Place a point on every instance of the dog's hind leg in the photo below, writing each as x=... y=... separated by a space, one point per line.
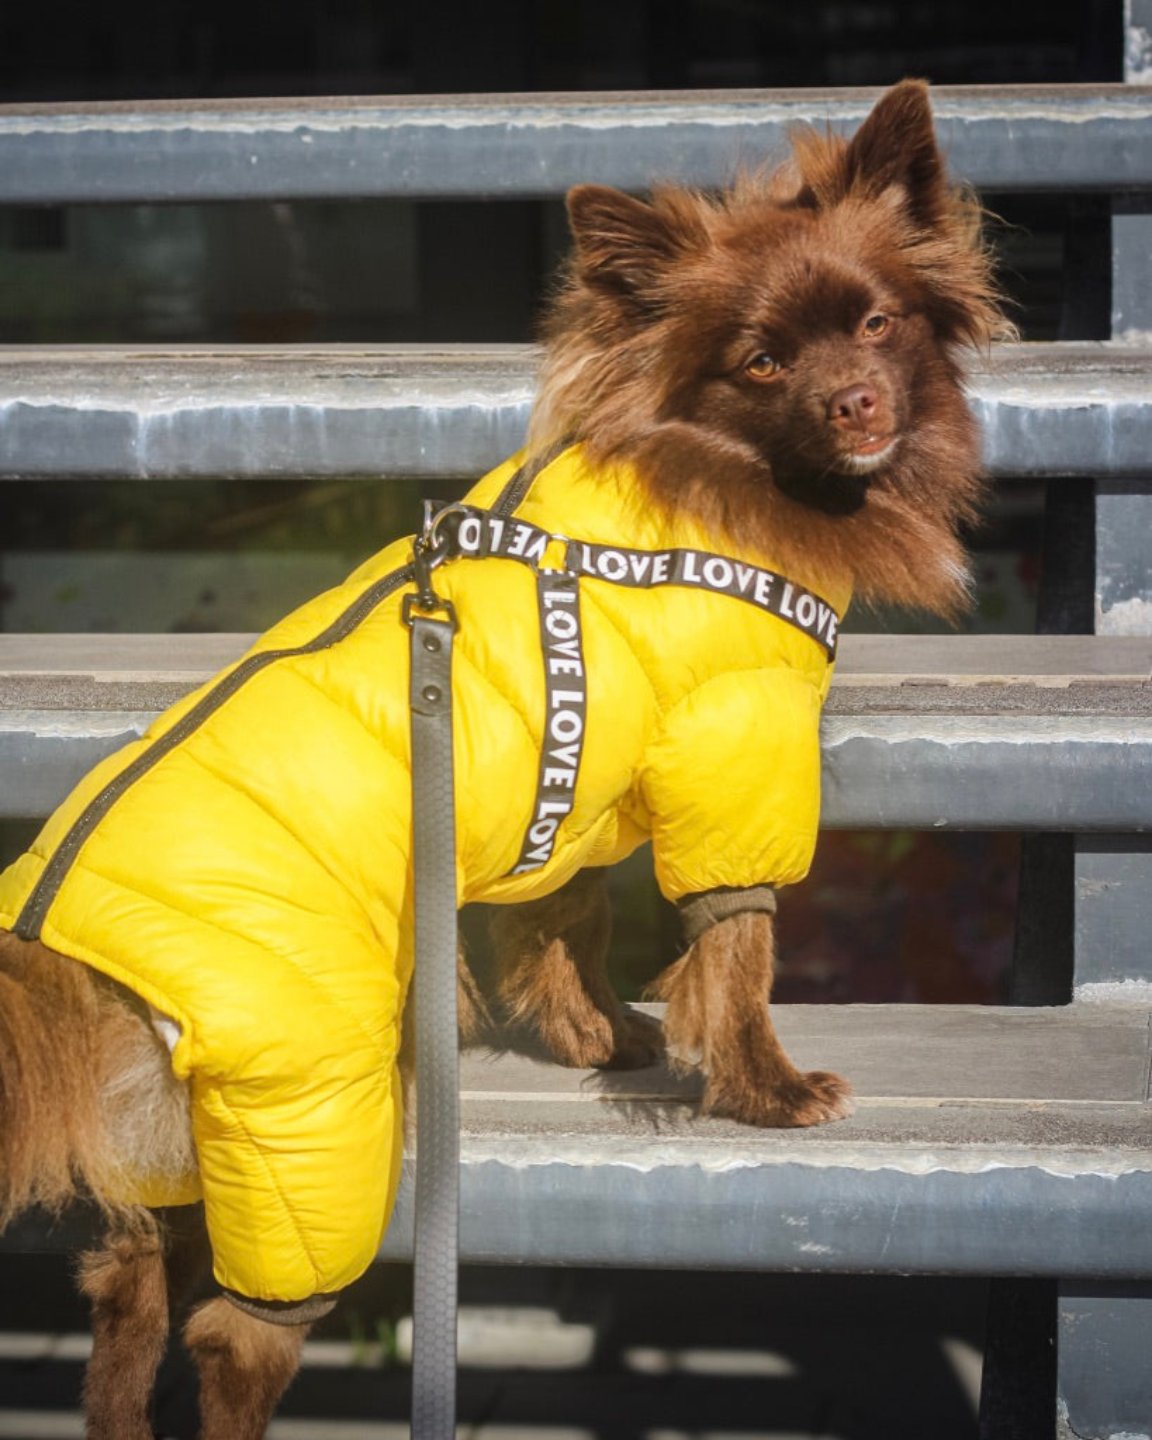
x=552 y=955
x=245 y=1365
x=718 y=1019
x=187 y=1258
x=126 y=1285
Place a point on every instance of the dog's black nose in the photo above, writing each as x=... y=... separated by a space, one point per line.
x=853 y=407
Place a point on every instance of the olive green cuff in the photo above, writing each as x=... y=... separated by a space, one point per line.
x=701 y=911
x=285 y=1312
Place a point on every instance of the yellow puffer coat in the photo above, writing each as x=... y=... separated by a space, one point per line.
x=245 y=866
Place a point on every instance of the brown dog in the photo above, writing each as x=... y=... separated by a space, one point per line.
x=780 y=363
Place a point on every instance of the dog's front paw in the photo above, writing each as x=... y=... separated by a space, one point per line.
x=814 y=1098
x=638 y=1040
x=800 y=1099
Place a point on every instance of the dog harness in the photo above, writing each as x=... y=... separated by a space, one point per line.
x=463 y=531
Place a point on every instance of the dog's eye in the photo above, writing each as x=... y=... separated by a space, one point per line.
x=875 y=326
x=763 y=367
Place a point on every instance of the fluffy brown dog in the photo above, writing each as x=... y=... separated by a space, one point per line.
x=780 y=360
x=779 y=363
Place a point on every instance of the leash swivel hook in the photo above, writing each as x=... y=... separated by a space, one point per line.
x=430 y=548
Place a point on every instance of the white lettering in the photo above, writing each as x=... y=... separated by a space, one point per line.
x=558 y=666
x=691 y=574
x=763 y=592
x=554 y=776
x=566 y=754
x=745 y=574
x=612 y=565
x=520 y=538
x=786 y=601
x=536 y=858
x=660 y=565
x=542 y=831
x=561 y=624
x=565 y=725
x=640 y=564
x=805 y=611
x=468 y=536
x=717 y=572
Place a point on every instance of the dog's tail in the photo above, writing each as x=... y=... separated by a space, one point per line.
x=54 y=1042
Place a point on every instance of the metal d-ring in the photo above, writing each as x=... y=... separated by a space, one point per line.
x=566 y=569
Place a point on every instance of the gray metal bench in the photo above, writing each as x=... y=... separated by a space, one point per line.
x=988 y=1141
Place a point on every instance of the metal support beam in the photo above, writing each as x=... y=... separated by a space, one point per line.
x=1124 y=507
x=979 y=732
x=1104 y=1344
x=1043 y=137
x=442 y=410
x=1113 y=883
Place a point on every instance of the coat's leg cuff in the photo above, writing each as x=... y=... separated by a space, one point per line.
x=285 y=1312
x=701 y=911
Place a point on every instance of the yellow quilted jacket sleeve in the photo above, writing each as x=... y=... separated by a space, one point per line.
x=733 y=783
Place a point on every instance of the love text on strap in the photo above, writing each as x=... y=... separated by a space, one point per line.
x=478 y=533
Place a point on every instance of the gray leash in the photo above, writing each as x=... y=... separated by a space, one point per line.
x=433 y=623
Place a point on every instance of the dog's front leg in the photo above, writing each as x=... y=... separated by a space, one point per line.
x=125 y=1283
x=717 y=1018
x=553 y=977
x=244 y=1364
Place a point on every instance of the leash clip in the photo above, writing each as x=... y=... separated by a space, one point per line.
x=429 y=549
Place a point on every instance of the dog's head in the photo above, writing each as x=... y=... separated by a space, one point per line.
x=782 y=358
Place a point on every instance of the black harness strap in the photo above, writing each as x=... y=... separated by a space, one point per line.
x=566 y=709
x=464 y=531
x=469 y=531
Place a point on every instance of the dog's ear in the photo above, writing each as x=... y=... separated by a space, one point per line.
x=624 y=245
x=893 y=154
x=895 y=149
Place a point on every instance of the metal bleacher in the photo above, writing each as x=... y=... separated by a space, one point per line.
x=994 y=1141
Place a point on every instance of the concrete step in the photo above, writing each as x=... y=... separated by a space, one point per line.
x=443 y=410
x=985 y=1141
x=972 y=732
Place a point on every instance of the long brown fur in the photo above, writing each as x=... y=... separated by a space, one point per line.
x=245 y=1365
x=553 y=956
x=780 y=362
x=665 y=299
x=126 y=1286
x=86 y=1095
x=86 y=1090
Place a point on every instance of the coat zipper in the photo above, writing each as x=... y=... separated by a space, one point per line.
x=32 y=915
